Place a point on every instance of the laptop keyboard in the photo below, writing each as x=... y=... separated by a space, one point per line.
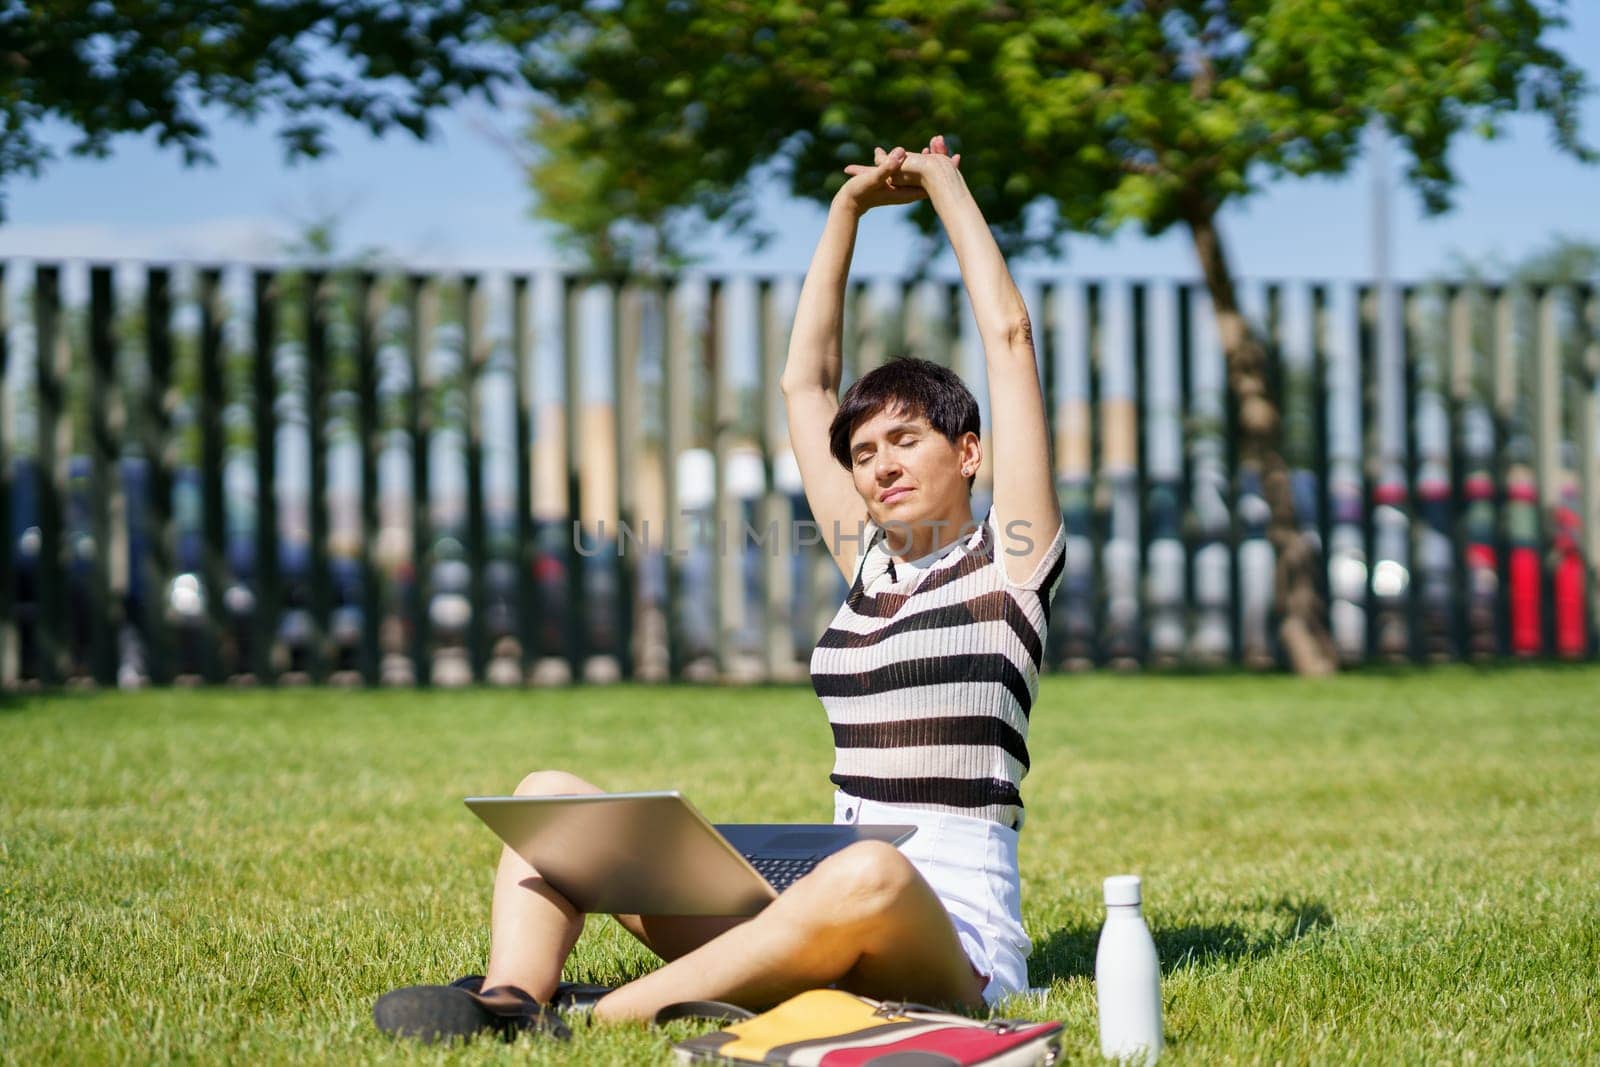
x=782 y=871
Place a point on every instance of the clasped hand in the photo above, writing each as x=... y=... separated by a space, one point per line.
x=896 y=176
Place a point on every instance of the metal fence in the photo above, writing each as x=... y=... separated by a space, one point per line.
x=375 y=476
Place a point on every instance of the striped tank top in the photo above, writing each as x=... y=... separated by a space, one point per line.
x=929 y=672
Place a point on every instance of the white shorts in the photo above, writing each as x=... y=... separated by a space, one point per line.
x=972 y=866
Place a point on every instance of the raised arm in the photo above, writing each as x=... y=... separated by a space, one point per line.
x=1025 y=503
x=811 y=376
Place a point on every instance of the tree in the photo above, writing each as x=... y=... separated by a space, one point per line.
x=1559 y=261
x=139 y=66
x=1072 y=116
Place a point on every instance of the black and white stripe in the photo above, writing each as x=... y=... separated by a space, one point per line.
x=929 y=680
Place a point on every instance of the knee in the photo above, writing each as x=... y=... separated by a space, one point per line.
x=553 y=783
x=866 y=879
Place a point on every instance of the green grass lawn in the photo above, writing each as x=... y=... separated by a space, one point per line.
x=1379 y=868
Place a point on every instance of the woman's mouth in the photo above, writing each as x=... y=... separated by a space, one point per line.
x=891 y=495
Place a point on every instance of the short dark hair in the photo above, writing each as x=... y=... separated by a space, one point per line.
x=917 y=386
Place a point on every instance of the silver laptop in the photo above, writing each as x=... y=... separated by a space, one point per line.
x=654 y=854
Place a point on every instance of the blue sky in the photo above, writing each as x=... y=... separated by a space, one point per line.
x=460 y=200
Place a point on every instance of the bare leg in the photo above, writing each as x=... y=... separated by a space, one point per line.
x=672 y=936
x=864 y=919
x=533 y=927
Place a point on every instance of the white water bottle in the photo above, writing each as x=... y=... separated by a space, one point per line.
x=1127 y=977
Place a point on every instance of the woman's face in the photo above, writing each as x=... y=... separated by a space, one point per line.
x=908 y=472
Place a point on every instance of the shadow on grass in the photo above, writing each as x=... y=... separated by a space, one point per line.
x=1069 y=951
x=11 y=700
x=31 y=696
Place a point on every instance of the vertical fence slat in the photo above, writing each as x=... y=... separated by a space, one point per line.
x=1549 y=470
x=1187 y=494
x=1317 y=477
x=1519 y=526
x=1368 y=450
x=1390 y=520
x=113 y=416
x=626 y=338
x=727 y=569
x=1434 y=549
x=1237 y=487
x=1569 y=624
x=8 y=622
x=1347 y=552
x=1253 y=555
x=777 y=585
x=577 y=627
x=1139 y=345
x=1074 y=472
x=422 y=308
x=51 y=359
x=369 y=304
x=926 y=334
x=1482 y=489
x=105 y=479
x=474 y=356
x=871 y=324
x=1229 y=483
x=269 y=594
x=851 y=329
x=1279 y=390
x=1163 y=447
x=157 y=432
x=1578 y=385
x=1214 y=639
x=1415 y=573
x=529 y=605
x=1500 y=395
x=1119 y=463
x=213 y=553
x=1586 y=401
x=677 y=396
x=1099 y=499
x=318 y=578
x=1474 y=435
x=1299 y=354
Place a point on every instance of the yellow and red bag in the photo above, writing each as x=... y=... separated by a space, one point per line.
x=828 y=1028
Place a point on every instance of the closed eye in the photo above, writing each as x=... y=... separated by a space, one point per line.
x=905 y=440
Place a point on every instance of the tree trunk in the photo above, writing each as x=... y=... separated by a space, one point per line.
x=1297 y=601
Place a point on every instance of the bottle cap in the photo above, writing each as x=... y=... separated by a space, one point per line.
x=1122 y=890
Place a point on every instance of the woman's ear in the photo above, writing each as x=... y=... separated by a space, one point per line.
x=971 y=450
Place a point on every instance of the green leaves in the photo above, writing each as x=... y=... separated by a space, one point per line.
x=1112 y=113
x=651 y=111
x=154 y=65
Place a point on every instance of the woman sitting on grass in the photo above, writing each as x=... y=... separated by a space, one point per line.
x=927 y=673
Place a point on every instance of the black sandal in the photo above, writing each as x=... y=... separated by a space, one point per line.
x=568 y=998
x=577 y=997
x=444 y=1012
